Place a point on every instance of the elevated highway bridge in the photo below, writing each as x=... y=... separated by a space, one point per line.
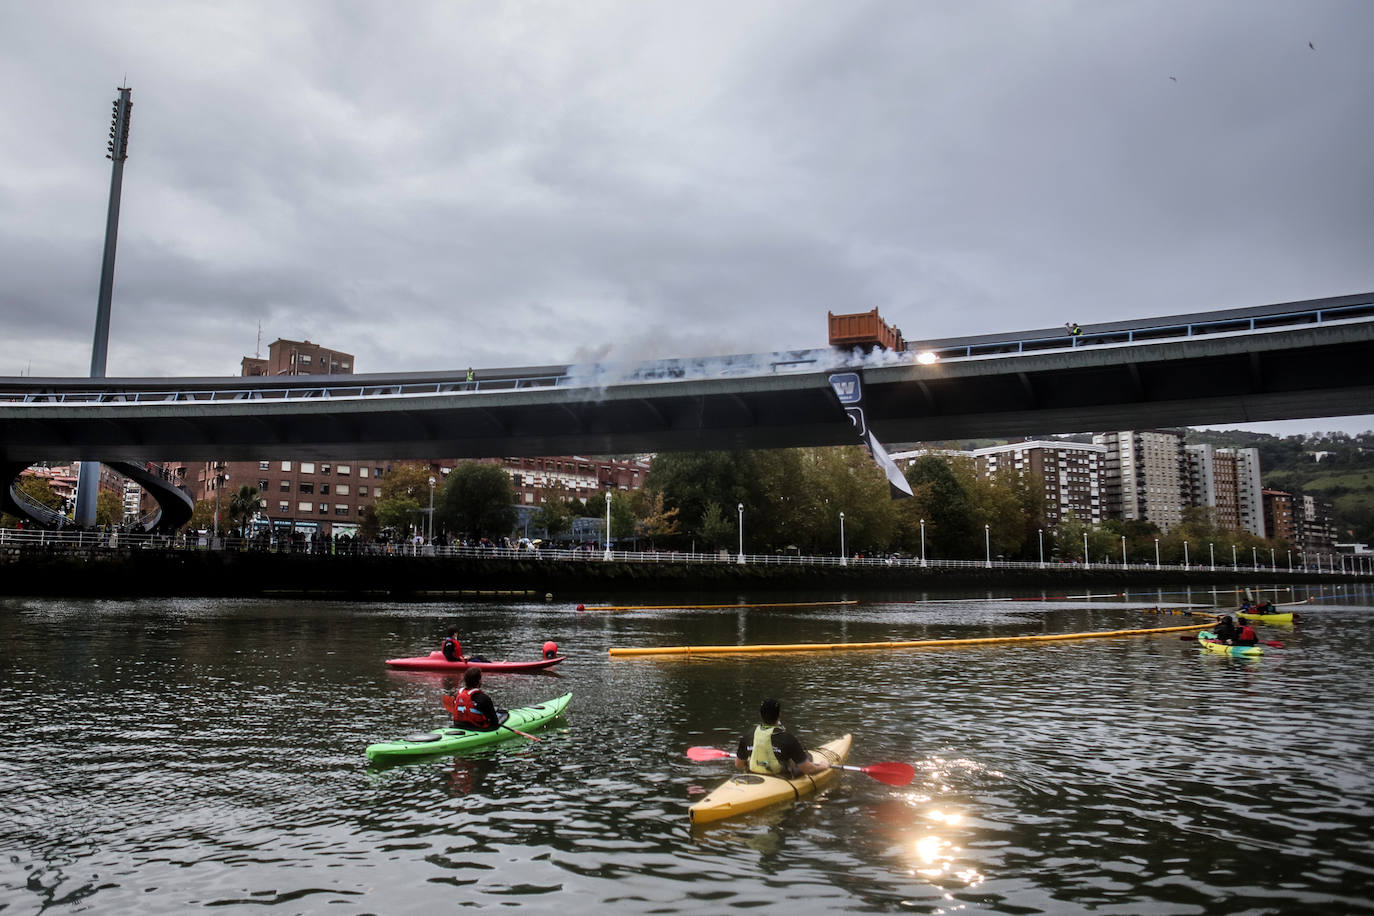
x=1276 y=362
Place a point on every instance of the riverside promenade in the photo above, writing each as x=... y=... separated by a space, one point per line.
x=127 y=566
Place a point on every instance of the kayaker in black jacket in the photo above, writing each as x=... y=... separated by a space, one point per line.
x=1226 y=630
x=453 y=649
x=772 y=751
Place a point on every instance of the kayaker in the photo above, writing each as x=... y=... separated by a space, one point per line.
x=771 y=750
x=1226 y=630
x=1245 y=635
x=472 y=708
x=453 y=649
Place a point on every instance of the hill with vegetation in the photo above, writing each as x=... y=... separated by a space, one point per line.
x=1332 y=467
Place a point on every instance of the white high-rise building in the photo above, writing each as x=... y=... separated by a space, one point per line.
x=1069 y=471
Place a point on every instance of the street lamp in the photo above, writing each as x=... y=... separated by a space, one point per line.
x=741 y=533
x=608 y=525
x=431 y=510
x=923 y=542
x=1185 y=555
x=220 y=478
x=1290 y=559
x=1212 y=551
x=844 y=560
x=1271 y=559
x=1156 y=554
x=1254 y=558
x=1123 y=551
x=1234 y=565
x=1086 y=563
x=1040 y=535
x=987 y=544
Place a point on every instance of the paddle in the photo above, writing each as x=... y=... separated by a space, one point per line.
x=894 y=774
x=452 y=706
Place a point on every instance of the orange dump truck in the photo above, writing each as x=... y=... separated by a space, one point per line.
x=865 y=330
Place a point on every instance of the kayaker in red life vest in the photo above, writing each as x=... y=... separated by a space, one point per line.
x=472 y=708
x=453 y=649
x=1226 y=630
x=1245 y=635
x=772 y=751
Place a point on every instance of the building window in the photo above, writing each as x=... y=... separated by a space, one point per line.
x=264 y=465
x=362 y=472
x=283 y=507
x=362 y=491
x=286 y=486
x=305 y=507
x=343 y=470
x=324 y=469
x=340 y=510
x=262 y=486
x=305 y=359
x=324 y=508
x=307 y=487
x=339 y=489
x=324 y=489
x=286 y=465
x=307 y=467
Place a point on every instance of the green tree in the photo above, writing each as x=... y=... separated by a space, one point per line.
x=950 y=525
x=109 y=509
x=555 y=513
x=401 y=492
x=477 y=501
x=658 y=522
x=202 y=515
x=623 y=518
x=243 y=505
x=715 y=529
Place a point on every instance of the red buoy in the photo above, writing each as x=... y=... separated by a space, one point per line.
x=550 y=649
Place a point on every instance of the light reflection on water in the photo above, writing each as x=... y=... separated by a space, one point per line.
x=172 y=755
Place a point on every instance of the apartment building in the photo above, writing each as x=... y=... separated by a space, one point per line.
x=1144 y=476
x=1070 y=471
x=1278 y=516
x=1227 y=483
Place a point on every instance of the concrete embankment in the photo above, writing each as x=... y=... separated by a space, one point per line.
x=152 y=573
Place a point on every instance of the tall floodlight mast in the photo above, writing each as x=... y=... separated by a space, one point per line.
x=88 y=481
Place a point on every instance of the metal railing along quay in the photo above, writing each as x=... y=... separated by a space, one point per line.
x=18 y=540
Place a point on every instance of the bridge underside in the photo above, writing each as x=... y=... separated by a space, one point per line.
x=1319 y=371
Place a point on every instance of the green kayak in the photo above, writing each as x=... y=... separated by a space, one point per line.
x=449 y=740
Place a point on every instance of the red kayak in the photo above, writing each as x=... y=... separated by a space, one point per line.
x=435 y=661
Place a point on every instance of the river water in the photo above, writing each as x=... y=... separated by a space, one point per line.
x=176 y=755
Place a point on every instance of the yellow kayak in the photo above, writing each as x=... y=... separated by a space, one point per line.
x=1267 y=618
x=751 y=791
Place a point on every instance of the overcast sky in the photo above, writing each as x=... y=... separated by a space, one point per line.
x=437 y=185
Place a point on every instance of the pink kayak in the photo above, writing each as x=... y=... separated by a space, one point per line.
x=435 y=661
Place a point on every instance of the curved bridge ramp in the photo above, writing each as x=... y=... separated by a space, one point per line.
x=18 y=503
x=174 y=503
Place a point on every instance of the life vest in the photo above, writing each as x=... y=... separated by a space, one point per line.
x=453 y=649
x=465 y=712
x=1247 y=636
x=763 y=760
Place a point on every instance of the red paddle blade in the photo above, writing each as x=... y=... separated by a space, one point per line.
x=1274 y=644
x=894 y=774
x=451 y=705
x=707 y=753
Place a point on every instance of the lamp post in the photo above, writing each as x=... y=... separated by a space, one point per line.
x=1271 y=559
x=608 y=525
x=1040 y=535
x=1234 y=565
x=1212 y=551
x=1123 y=551
x=1156 y=554
x=923 y=542
x=987 y=544
x=1254 y=559
x=1290 y=559
x=741 y=533
x=431 y=509
x=1185 y=555
x=1086 y=563
x=844 y=560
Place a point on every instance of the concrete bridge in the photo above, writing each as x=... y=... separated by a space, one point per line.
x=1283 y=361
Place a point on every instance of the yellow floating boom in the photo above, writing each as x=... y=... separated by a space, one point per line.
x=709 y=607
x=910 y=644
